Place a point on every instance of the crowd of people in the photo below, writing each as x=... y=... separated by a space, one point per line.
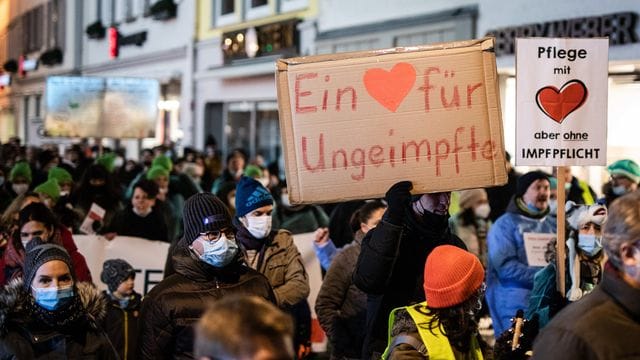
x=405 y=276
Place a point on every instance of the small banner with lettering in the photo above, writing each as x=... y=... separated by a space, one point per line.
x=561 y=101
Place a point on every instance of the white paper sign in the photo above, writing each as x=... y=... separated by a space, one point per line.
x=304 y=242
x=535 y=245
x=561 y=101
x=96 y=213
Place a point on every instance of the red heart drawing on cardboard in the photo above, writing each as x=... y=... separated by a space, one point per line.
x=558 y=104
x=389 y=88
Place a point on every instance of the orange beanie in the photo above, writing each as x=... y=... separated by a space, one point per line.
x=451 y=276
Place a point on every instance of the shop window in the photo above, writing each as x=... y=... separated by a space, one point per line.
x=238 y=127
x=293 y=5
x=254 y=127
x=33 y=23
x=224 y=13
x=257 y=8
x=426 y=37
x=129 y=10
x=55 y=21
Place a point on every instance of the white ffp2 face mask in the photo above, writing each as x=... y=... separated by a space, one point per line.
x=482 y=211
x=258 y=226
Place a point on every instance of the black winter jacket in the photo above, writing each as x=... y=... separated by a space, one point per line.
x=605 y=324
x=24 y=336
x=121 y=325
x=390 y=270
x=172 y=307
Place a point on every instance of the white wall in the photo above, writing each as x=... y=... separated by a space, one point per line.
x=162 y=35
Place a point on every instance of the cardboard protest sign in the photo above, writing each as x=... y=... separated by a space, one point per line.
x=561 y=101
x=353 y=124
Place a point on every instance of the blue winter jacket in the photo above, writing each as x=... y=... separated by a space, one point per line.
x=509 y=277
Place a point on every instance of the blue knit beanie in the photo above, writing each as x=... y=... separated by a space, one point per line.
x=250 y=195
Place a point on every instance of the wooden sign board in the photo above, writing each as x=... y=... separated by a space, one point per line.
x=353 y=124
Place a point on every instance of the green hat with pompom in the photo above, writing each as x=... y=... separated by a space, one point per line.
x=60 y=174
x=20 y=169
x=163 y=161
x=156 y=172
x=107 y=160
x=50 y=188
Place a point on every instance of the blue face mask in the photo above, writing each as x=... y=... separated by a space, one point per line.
x=51 y=298
x=124 y=302
x=218 y=253
x=533 y=208
x=619 y=190
x=590 y=244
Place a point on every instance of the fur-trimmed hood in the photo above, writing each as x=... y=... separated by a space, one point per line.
x=13 y=303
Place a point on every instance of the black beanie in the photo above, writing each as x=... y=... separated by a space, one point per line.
x=251 y=195
x=204 y=212
x=39 y=253
x=527 y=179
x=115 y=272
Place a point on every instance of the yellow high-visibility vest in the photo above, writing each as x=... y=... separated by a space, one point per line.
x=435 y=341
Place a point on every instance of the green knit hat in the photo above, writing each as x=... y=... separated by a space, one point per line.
x=253 y=171
x=60 y=174
x=626 y=168
x=164 y=161
x=107 y=160
x=157 y=171
x=20 y=169
x=49 y=187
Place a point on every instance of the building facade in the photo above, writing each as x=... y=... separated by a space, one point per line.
x=39 y=39
x=235 y=91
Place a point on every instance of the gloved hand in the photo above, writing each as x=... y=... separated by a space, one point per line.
x=398 y=199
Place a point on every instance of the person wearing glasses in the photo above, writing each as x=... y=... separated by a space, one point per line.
x=208 y=266
x=604 y=323
x=37 y=221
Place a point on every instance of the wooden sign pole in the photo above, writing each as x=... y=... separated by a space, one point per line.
x=560 y=249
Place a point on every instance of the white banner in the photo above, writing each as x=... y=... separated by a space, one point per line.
x=147 y=257
x=561 y=104
x=304 y=242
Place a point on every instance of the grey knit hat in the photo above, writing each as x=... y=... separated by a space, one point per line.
x=204 y=212
x=39 y=253
x=115 y=272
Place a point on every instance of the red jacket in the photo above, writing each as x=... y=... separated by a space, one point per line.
x=13 y=260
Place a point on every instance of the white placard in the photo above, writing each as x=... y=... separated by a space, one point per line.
x=147 y=257
x=304 y=242
x=96 y=213
x=561 y=101
x=535 y=245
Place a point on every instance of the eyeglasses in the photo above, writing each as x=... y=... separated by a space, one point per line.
x=214 y=235
x=35 y=233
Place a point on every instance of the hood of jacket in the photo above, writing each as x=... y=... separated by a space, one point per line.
x=14 y=299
